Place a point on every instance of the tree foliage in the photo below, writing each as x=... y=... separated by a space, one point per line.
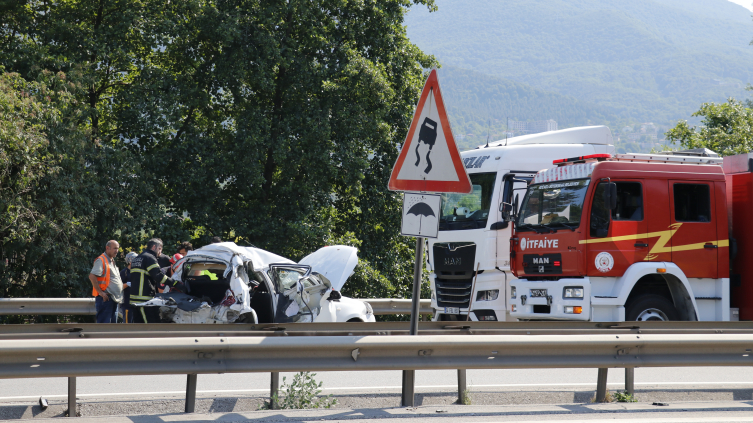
x=268 y=123
x=727 y=128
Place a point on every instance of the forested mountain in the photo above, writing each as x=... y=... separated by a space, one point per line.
x=640 y=60
x=479 y=105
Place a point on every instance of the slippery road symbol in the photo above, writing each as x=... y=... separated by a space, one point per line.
x=428 y=135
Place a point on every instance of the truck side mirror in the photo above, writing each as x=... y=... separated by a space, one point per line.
x=610 y=196
x=509 y=210
x=506 y=208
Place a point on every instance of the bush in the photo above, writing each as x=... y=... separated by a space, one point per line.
x=302 y=392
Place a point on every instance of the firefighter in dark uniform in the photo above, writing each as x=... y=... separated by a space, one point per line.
x=145 y=277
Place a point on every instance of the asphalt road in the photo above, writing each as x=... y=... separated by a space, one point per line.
x=143 y=387
x=595 y=413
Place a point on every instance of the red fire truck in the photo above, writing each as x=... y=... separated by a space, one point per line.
x=635 y=237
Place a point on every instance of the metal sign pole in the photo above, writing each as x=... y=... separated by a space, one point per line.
x=409 y=376
x=417 y=270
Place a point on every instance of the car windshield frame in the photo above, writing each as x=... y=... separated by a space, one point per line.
x=557 y=204
x=472 y=210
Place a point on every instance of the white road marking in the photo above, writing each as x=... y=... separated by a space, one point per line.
x=372 y=388
x=647 y=418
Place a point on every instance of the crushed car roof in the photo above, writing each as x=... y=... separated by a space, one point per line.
x=335 y=262
x=225 y=251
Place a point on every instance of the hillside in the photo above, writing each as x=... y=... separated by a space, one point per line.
x=479 y=104
x=642 y=60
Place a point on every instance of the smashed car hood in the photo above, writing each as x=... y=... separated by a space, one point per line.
x=335 y=262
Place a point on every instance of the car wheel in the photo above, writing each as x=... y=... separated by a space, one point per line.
x=355 y=319
x=650 y=307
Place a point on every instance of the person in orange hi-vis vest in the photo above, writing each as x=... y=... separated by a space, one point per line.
x=107 y=288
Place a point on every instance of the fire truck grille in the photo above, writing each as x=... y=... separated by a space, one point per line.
x=454 y=290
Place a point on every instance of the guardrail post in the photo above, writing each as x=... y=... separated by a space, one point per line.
x=462 y=386
x=409 y=385
x=274 y=386
x=191 y=393
x=630 y=380
x=601 y=385
x=72 y=409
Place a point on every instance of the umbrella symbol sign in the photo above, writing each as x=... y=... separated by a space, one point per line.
x=421 y=209
x=421 y=215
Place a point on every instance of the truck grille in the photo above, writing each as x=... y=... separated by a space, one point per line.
x=453 y=265
x=454 y=288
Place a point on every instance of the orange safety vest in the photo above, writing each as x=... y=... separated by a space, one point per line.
x=104 y=279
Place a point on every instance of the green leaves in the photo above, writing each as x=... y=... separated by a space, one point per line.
x=302 y=392
x=271 y=123
x=727 y=129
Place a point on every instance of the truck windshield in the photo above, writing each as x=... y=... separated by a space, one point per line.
x=552 y=205
x=468 y=211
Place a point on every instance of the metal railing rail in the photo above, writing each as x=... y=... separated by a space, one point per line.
x=93 y=330
x=33 y=358
x=85 y=306
x=47 y=306
x=194 y=355
x=385 y=306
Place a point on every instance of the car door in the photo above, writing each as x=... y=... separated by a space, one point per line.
x=294 y=287
x=311 y=296
x=511 y=184
x=693 y=228
x=612 y=249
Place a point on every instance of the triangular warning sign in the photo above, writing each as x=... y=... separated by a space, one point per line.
x=429 y=160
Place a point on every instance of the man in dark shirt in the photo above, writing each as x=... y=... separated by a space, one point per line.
x=145 y=277
x=126 y=309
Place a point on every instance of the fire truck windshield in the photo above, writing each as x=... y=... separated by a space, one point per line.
x=552 y=204
x=468 y=211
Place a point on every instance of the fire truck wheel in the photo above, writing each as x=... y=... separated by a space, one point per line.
x=650 y=307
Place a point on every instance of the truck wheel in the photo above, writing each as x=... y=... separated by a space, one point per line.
x=649 y=307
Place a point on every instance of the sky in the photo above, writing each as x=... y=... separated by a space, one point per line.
x=744 y=3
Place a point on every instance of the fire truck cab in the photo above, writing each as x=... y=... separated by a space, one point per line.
x=630 y=237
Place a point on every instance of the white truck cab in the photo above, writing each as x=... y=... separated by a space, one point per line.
x=470 y=259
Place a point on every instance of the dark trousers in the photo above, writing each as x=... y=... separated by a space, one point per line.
x=105 y=310
x=127 y=312
x=146 y=315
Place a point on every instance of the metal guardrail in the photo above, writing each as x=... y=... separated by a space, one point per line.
x=60 y=306
x=384 y=306
x=196 y=355
x=85 y=306
x=62 y=350
x=76 y=330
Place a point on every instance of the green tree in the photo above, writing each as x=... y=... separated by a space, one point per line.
x=44 y=239
x=98 y=50
x=727 y=129
x=272 y=123
x=289 y=144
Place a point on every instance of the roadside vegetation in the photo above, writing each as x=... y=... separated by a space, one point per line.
x=726 y=128
x=302 y=392
x=268 y=124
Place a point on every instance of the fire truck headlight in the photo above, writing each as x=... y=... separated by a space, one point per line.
x=573 y=292
x=487 y=295
x=513 y=293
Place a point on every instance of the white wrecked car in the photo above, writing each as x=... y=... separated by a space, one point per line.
x=227 y=283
